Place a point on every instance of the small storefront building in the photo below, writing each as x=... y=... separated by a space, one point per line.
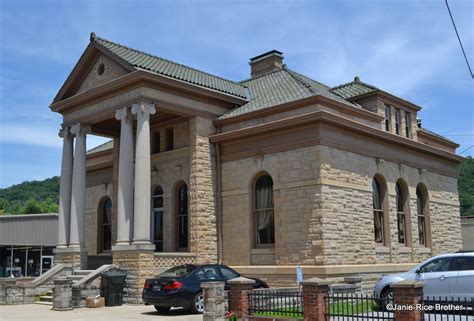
x=27 y=243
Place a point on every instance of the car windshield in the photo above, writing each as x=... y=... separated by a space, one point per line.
x=178 y=271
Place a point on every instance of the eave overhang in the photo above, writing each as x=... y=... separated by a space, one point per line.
x=387 y=97
x=316 y=99
x=325 y=117
x=136 y=77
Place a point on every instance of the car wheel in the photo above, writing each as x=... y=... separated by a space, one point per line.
x=197 y=305
x=162 y=309
x=387 y=298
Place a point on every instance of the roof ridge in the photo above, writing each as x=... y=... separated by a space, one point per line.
x=355 y=81
x=297 y=77
x=301 y=75
x=95 y=38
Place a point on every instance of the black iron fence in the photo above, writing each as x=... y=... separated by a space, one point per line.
x=447 y=309
x=348 y=307
x=285 y=302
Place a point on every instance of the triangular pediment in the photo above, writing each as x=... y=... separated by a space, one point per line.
x=103 y=70
x=95 y=68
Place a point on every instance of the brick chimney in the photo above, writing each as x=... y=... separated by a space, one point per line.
x=265 y=63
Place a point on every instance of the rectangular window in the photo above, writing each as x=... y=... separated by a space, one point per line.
x=397 y=121
x=156 y=142
x=407 y=125
x=169 y=138
x=387 y=118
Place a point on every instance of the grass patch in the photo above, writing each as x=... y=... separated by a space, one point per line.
x=293 y=312
x=344 y=308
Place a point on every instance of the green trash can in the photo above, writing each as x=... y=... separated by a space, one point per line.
x=111 y=287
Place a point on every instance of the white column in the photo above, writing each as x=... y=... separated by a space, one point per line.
x=142 y=195
x=125 y=178
x=64 y=217
x=78 y=198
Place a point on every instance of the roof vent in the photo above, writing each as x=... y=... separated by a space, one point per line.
x=265 y=63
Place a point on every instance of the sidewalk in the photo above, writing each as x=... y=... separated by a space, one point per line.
x=39 y=312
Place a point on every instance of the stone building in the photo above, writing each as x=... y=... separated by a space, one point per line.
x=264 y=174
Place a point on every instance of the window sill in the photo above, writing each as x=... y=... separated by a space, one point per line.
x=263 y=250
x=424 y=250
x=382 y=249
x=404 y=249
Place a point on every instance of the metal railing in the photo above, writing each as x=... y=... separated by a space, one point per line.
x=447 y=309
x=285 y=302
x=348 y=307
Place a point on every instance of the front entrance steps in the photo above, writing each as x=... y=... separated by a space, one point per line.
x=84 y=280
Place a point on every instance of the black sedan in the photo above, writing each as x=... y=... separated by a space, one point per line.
x=180 y=286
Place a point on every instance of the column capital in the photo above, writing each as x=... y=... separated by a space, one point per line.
x=124 y=114
x=143 y=108
x=65 y=132
x=80 y=129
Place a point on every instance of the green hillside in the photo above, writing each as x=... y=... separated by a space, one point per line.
x=466 y=186
x=42 y=196
x=31 y=197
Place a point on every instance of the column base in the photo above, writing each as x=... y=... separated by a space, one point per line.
x=71 y=255
x=138 y=261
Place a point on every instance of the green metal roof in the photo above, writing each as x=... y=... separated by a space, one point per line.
x=353 y=89
x=279 y=87
x=142 y=60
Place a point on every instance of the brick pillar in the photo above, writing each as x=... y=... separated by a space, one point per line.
x=315 y=293
x=238 y=296
x=408 y=293
x=214 y=301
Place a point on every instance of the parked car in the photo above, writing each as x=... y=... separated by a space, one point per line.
x=447 y=275
x=180 y=286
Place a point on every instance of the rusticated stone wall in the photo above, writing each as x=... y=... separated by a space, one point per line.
x=167 y=260
x=139 y=265
x=348 y=218
x=297 y=208
x=202 y=191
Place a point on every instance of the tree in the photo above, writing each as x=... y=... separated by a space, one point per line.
x=466 y=186
x=31 y=207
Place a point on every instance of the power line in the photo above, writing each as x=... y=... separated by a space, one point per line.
x=466 y=149
x=460 y=43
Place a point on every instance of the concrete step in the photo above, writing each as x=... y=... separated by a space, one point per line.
x=82 y=272
x=75 y=277
x=46 y=298
x=44 y=302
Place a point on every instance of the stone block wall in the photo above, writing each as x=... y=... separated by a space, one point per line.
x=139 y=266
x=297 y=208
x=348 y=224
x=323 y=209
x=202 y=191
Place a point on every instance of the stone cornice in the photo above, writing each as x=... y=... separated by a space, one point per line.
x=317 y=99
x=137 y=78
x=388 y=98
x=437 y=138
x=321 y=117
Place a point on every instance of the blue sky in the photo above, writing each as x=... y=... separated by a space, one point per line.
x=408 y=48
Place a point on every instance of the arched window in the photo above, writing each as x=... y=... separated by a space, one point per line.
x=401 y=214
x=182 y=219
x=157 y=219
x=378 y=210
x=105 y=223
x=422 y=214
x=263 y=211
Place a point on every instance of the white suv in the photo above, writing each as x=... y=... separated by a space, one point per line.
x=447 y=275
